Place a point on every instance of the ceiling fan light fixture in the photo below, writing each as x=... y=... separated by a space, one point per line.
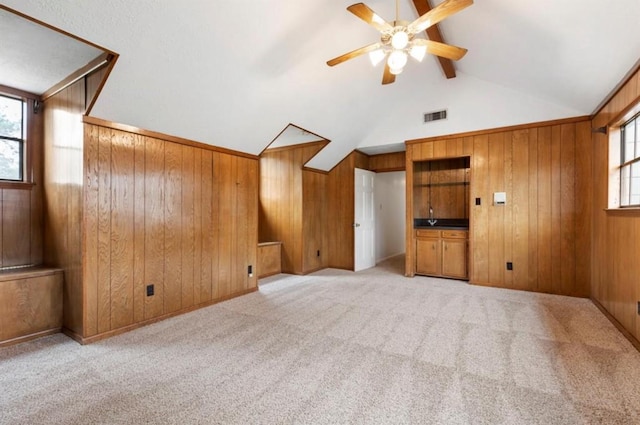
x=397 y=59
x=418 y=52
x=395 y=71
x=400 y=39
x=377 y=56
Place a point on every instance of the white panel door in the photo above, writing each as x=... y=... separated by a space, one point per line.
x=364 y=221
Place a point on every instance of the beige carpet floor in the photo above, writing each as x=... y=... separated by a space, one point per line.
x=339 y=347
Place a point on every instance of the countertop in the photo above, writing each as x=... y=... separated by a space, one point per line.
x=442 y=223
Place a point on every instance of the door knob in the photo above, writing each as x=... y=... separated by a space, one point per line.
x=356 y=224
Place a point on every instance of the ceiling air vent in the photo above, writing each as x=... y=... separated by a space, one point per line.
x=435 y=116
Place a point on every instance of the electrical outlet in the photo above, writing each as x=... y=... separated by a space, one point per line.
x=318 y=254
x=478 y=201
x=509 y=265
x=149 y=290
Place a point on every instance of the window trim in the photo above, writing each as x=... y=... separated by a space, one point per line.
x=30 y=138
x=623 y=164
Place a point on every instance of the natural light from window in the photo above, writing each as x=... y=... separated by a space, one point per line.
x=12 y=125
x=630 y=163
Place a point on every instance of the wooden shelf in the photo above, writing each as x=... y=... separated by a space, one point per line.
x=441 y=184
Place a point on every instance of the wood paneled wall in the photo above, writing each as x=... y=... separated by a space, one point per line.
x=21 y=204
x=386 y=162
x=291 y=206
x=181 y=218
x=544 y=229
x=126 y=209
x=340 y=210
x=616 y=233
x=315 y=255
x=63 y=182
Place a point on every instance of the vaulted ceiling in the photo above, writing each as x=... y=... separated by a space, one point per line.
x=235 y=73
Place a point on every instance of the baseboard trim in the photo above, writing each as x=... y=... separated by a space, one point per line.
x=389 y=257
x=84 y=340
x=617 y=324
x=29 y=337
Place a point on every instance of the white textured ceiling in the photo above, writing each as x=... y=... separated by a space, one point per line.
x=235 y=73
x=34 y=58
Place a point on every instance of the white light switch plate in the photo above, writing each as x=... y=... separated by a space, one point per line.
x=499 y=198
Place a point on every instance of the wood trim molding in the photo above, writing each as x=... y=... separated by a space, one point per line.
x=285 y=128
x=111 y=63
x=623 y=212
x=434 y=34
x=156 y=135
x=29 y=337
x=617 y=324
x=323 y=142
x=315 y=170
x=501 y=129
x=628 y=76
x=17 y=92
x=77 y=75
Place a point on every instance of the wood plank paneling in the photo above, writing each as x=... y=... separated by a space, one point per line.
x=520 y=209
x=122 y=230
x=104 y=230
x=188 y=235
x=139 y=229
x=90 y=234
x=479 y=220
x=340 y=214
x=225 y=179
x=154 y=246
x=172 y=228
x=29 y=305
x=63 y=197
x=16 y=219
x=167 y=226
x=537 y=230
x=209 y=263
x=616 y=234
x=386 y=162
x=544 y=210
x=127 y=210
x=289 y=208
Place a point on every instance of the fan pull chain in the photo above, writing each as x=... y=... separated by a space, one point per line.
x=397 y=12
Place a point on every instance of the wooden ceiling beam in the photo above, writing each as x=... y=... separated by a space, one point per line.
x=433 y=32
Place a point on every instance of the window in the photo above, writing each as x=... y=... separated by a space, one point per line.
x=630 y=163
x=12 y=138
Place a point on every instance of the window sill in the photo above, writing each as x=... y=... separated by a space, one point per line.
x=16 y=185
x=628 y=212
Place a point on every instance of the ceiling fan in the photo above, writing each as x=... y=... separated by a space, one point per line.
x=398 y=41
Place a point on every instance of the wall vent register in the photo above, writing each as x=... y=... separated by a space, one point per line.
x=435 y=116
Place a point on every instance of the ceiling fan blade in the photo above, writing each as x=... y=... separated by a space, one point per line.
x=354 y=54
x=437 y=14
x=388 y=77
x=363 y=12
x=441 y=49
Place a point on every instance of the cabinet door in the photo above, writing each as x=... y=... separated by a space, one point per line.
x=454 y=258
x=428 y=258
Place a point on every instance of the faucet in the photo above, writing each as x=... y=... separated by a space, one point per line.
x=431 y=221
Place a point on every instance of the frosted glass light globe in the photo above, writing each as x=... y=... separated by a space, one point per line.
x=397 y=59
x=399 y=40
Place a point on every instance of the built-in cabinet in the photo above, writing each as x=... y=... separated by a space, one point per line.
x=543 y=229
x=442 y=253
x=439 y=215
